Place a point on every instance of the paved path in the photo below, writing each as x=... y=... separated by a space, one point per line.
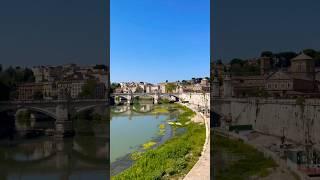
x=262 y=143
x=201 y=170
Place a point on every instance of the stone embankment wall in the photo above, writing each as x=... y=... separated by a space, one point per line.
x=272 y=116
x=201 y=99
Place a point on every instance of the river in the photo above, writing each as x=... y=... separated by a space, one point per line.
x=28 y=153
x=133 y=126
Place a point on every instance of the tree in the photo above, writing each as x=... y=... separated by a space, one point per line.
x=266 y=54
x=310 y=52
x=10 y=71
x=5 y=92
x=114 y=86
x=170 y=87
x=286 y=55
x=89 y=89
x=28 y=75
x=139 y=89
x=100 y=66
x=237 y=61
x=219 y=61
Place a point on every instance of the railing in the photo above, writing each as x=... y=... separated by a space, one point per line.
x=51 y=101
x=144 y=94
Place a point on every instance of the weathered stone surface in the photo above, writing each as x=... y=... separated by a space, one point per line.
x=273 y=116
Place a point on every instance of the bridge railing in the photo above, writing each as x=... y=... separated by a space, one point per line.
x=50 y=101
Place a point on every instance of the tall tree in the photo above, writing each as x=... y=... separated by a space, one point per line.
x=89 y=89
x=266 y=54
x=310 y=52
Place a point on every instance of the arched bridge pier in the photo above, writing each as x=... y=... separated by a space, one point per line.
x=60 y=110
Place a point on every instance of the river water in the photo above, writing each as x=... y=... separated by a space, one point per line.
x=131 y=127
x=27 y=153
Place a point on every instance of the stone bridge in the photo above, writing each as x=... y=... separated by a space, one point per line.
x=60 y=110
x=155 y=96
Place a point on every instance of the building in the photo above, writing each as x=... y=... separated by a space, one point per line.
x=27 y=91
x=162 y=87
x=265 y=65
x=51 y=79
x=299 y=79
x=302 y=67
x=285 y=84
x=244 y=86
x=49 y=90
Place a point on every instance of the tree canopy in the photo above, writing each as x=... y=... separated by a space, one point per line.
x=170 y=87
x=89 y=89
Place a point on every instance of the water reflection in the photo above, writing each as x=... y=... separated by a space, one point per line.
x=28 y=149
x=133 y=125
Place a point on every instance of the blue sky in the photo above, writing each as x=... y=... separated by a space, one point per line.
x=158 y=40
x=52 y=32
x=244 y=28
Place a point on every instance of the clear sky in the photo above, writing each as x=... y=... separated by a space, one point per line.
x=244 y=28
x=158 y=40
x=35 y=32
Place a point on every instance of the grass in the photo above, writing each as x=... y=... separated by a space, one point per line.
x=148 y=145
x=136 y=155
x=173 y=159
x=160 y=110
x=250 y=163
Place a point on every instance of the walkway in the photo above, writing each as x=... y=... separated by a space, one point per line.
x=266 y=144
x=201 y=170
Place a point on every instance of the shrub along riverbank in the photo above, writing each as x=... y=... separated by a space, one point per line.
x=172 y=159
x=247 y=161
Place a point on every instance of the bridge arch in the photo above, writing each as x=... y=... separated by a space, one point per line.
x=32 y=108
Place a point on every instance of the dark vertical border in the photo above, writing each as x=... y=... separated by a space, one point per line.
x=108 y=79
x=211 y=93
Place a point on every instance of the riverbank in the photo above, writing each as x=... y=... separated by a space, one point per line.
x=259 y=143
x=201 y=170
x=175 y=157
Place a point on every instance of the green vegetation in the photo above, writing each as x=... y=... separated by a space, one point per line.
x=89 y=89
x=170 y=87
x=174 y=158
x=162 y=130
x=240 y=67
x=136 y=155
x=139 y=89
x=251 y=162
x=10 y=78
x=148 y=145
x=101 y=66
x=114 y=86
x=164 y=101
x=160 y=110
